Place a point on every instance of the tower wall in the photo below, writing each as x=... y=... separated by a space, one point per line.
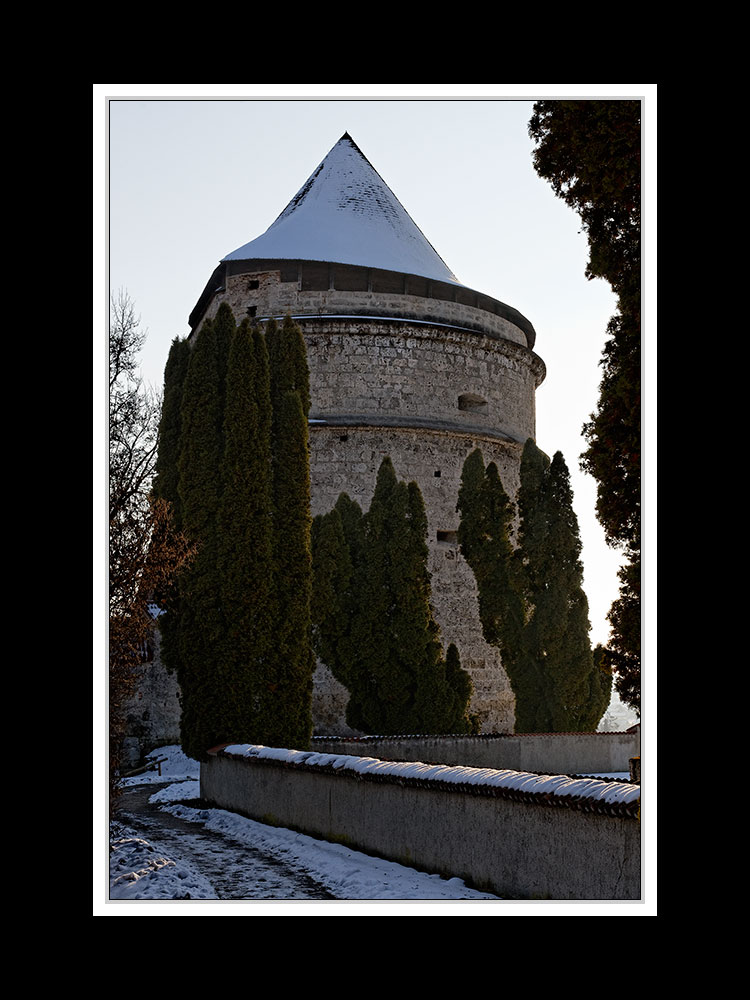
x=424 y=380
x=403 y=373
x=263 y=288
x=347 y=459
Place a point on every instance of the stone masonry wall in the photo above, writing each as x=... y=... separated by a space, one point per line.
x=399 y=372
x=263 y=293
x=153 y=714
x=347 y=459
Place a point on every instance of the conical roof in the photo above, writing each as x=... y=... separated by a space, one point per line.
x=345 y=213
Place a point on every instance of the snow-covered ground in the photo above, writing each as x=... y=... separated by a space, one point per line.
x=142 y=873
x=139 y=870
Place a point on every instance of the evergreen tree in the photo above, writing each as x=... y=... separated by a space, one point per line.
x=531 y=601
x=289 y=705
x=289 y=696
x=590 y=152
x=385 y=683
x=581 y=694
x=165 y=487
x=239 y=635
x=486 y=520
x=201 y=444
x=340 y=568
x=170 y=425
x=378 y=633
x=331 y=602
x=624 y=646
x=245 y=545
x=460 y=690
x=201 y=625
x=557 y=630
x=530 y=579
x=225 y=327
x=289 y=367
x=613 y=458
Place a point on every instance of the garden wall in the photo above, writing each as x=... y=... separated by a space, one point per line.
x=553 y=753
x=514 y=834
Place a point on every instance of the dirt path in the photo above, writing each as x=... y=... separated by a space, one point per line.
x=235 y=870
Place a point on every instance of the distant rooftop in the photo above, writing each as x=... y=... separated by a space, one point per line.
x=345 y=213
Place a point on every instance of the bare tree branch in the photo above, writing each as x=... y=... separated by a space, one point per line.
x=144 y=551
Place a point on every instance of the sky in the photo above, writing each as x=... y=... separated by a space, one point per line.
x=185 y=174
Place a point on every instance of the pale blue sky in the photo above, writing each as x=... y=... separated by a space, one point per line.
x=191 y=179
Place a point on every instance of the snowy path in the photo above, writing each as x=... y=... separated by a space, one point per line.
x=167 y=850
x=233 y=870
x=166 y=846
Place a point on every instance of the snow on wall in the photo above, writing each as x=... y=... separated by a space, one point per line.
x=609 y=792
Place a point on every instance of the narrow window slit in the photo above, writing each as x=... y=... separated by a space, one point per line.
x=470 y=401
x=448 y=537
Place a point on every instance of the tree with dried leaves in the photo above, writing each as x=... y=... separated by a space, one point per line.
x=145 y=551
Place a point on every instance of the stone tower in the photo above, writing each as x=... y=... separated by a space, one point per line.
x=404 y=361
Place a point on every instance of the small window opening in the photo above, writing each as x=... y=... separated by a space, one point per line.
x=437 y=473
x=448 y=537
x=470 y=401
x=251 y=310
x=343 y=437
x=252 y=285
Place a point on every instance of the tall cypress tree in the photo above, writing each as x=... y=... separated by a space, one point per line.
x=332 y=594
x=339 y=566
x=380 y=634
x=532 y=605
x=201 y=446
x=289 y=367
x=575 y=695
x=530 y=579
x=486 y=520
x=241 y=640
x=170 y=425
x=166 y=487
x=288 y=708
x=200 y=474
x=459 y=692
x=245 y=545
x=382 y=688
x=225 y=326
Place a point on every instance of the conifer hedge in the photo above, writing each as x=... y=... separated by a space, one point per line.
x=238 y=631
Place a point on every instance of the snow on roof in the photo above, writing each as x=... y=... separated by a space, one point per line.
x=345 y=213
